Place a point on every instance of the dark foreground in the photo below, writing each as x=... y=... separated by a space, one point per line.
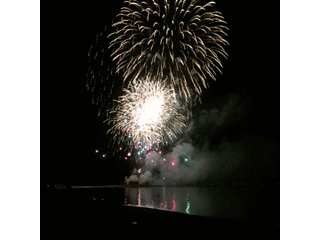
x=100 y=214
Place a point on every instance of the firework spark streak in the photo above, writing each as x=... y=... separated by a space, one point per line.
x=178 y=40
x=102 y=81
x=148 y=111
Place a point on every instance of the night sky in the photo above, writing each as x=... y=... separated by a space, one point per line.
x=70 y=127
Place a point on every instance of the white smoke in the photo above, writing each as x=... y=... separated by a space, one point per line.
x=196 y=165
x=132 y=179
x=145 y=178
x=213 y=148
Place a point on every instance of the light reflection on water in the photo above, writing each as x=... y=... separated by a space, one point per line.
x=204 y=201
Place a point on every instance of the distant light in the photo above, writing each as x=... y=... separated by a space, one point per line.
x=103 y=155
x=125 y=158
x=120 y=149
x=97 y=151
x=139 y=153
x=129 y=154
x=164 y=159
x=163 y=178
x=186 y=160
x=172 y=163
x=139 y=170
x=160 y=152
x=151 y=160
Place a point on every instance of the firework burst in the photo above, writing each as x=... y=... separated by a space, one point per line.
x=178 y=40
x=147 y=112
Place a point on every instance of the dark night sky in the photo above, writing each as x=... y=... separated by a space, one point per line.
x=70 y=128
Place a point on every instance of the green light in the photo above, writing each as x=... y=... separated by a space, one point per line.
x=186 y=160
x=187 y=208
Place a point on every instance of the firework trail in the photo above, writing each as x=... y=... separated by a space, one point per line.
x=178 y=40
x=102 y=80
x=147 y=112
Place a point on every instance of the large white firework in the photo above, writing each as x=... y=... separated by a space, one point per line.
x=147 y=112
x=178 y=40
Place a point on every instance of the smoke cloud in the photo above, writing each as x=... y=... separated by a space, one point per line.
x=145 y=178
x=217 y=145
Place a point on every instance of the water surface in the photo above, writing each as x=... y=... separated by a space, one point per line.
x=215 y=202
